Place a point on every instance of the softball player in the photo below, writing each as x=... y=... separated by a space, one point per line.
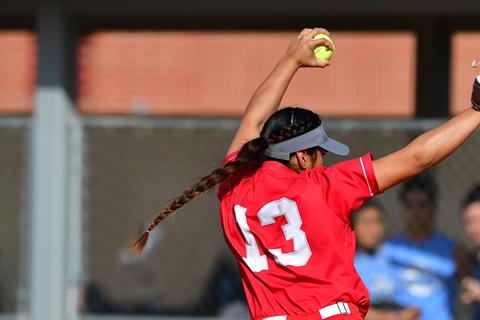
x=286 y=217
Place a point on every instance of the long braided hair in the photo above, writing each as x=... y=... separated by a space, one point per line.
x=282 y=125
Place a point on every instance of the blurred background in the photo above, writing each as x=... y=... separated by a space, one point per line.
x=109 y=109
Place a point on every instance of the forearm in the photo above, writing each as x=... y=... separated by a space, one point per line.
x=269 y=94
x=265 y=101
x=435 y=145
x=429 y=148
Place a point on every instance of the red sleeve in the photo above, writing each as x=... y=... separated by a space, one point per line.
x=351 y=183
x=222 y=189
x=230 y=158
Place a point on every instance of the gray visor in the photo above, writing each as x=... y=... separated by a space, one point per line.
x=315 y=138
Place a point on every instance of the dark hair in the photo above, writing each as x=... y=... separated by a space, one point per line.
x=369 y=204
x=472 y=196
x=282 y=125
x=424 y=183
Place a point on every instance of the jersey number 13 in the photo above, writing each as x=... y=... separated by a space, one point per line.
x=267 y=214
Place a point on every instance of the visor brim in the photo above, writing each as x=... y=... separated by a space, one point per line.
x=335 y=147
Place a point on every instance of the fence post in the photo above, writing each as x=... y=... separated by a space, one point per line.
x=55 y=188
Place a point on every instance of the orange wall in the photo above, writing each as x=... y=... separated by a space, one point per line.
x=465 y=49
x=17 y=70
x=214 y=73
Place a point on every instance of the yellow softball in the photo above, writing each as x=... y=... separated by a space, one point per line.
x=323 y=52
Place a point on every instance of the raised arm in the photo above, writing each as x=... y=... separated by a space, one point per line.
x=268 y=95
x=429 y=148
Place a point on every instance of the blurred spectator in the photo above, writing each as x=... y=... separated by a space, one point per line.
x=235 y=310
x=374 y=267
x=471 y=221
x=224 y=296
x=427 y=261
x=92 y=299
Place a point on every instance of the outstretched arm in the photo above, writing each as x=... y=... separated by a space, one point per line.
x=429 y=148
x=268 y=96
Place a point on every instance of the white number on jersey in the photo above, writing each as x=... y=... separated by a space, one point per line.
x=254 y=260
x=292 y=231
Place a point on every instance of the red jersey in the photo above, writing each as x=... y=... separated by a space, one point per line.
x=292 y=235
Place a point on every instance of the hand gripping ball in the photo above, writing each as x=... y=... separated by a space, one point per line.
x=323 y=52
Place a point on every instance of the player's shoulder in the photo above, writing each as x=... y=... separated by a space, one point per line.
x=341 y=168
x=237 y=183
x=363 y=161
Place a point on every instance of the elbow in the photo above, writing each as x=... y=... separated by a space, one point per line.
x=422 y=154
x=423 y=159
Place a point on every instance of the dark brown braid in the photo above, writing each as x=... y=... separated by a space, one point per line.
x=250 y=158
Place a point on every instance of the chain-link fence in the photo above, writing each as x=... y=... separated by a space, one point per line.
x=131 y=174
x=133 y=167
x=133 y=170
x=13 y=227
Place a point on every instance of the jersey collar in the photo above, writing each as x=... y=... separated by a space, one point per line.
x=279 y=170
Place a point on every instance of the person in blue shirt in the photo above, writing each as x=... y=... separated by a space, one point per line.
x=375 y=268
x=471 y=221
x=428 y=262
